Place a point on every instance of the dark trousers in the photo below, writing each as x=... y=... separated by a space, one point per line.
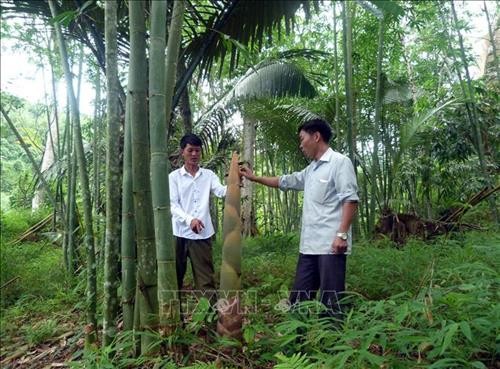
x=325 y=273
x=200 y=254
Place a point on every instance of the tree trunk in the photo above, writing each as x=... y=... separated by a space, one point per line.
x=247 y=208
x=184 y=103
x=146 y=254
x=336 y=79
x=72 y=166
x=347 y=48
x=229 y=304
x=161 y=87
x=477 y=123
x=375 y=170
x=112 y=246
x=96 y=157
x=128 y=230
x=493 y=44
x=90 y=330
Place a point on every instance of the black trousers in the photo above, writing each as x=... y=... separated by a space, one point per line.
x=325 y=273
x=200 y=254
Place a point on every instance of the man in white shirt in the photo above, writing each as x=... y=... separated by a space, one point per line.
x=190 y=188
x=329 y=206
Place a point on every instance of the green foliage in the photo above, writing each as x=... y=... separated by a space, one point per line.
x=432 y=304
x=30 y=269
x=40 y=332
x=296 y=361
x=16 y=172
x=36 y=267
x=422 y=305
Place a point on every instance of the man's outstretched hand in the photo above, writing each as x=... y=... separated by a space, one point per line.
x=246 y=172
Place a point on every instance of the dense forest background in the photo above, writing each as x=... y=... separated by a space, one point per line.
x=86 y=249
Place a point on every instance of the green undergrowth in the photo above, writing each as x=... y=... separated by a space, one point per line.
x=36 y=296
x=421 y=305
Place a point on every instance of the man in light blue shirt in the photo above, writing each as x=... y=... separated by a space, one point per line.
x=330 y=203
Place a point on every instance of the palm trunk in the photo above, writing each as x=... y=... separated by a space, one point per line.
x=146 y=254
x=90 y=330
x=128 y=230
x=184 y=103
x=229 y=305
x=112 y=246
x=161 y=86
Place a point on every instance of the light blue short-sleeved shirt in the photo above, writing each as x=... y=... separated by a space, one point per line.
x=326 y=183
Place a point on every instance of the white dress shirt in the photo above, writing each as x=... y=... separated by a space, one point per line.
x=327 y=183
x=189 y=199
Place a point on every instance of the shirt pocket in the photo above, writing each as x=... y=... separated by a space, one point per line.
x=319 y=190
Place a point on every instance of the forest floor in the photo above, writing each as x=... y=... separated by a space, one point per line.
x=414 y=306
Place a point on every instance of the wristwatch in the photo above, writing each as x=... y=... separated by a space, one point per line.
x=342 y=235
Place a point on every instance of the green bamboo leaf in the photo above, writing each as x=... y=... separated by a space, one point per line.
x=65 y=18
x=249 y=334
x=450 y=332
x=478 y=364
x=372 y=358
x=445 y=363
x=402 y=313
x=465 y=328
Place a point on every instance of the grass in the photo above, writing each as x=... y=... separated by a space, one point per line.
x=37 y=297
x=420 y=306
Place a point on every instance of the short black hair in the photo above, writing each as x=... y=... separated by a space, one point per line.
x=191 y=139
x=317 y=125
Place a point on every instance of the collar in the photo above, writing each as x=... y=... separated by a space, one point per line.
x=183 y=171
x=325 y=158
x=326 y=155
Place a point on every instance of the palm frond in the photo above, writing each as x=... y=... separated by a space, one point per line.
x=270 y=79
x=273 y=79
x=411 y=130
